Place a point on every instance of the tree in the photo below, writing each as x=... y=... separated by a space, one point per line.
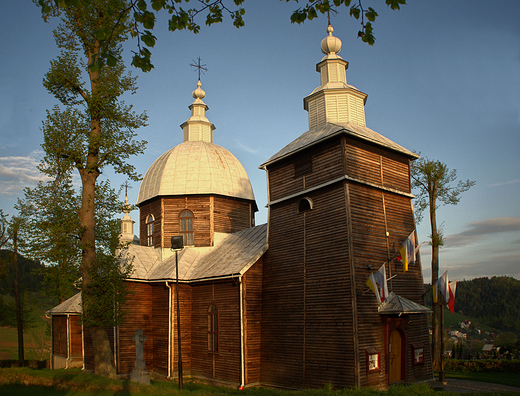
x=94 y=130
x=141 y=17
x=432 y=181
x=52 y=233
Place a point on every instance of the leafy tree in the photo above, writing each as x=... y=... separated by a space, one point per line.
x=93 y=130
x=52 y=234
x=433 y=182
x=141 y=16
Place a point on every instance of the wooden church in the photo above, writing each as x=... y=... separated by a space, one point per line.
x=283 y=304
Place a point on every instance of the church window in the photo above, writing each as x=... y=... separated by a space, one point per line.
x=186 y=227
x=149 y=229
x=213 y=328
x=304 y=205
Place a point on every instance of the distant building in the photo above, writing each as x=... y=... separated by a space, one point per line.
x=285 y=303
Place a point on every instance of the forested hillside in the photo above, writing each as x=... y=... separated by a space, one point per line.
x=493 y=301
x=30 y=272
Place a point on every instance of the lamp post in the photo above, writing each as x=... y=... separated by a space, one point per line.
x=177 y=244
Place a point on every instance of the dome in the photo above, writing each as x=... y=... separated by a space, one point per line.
x=196 y=167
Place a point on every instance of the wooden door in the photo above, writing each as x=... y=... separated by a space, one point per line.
x=395 y=357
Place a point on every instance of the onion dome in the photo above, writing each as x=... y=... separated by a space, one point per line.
x=330 y=45
x=196 y=166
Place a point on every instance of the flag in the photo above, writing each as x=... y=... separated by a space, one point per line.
x=442 y=285
x=407 y=251
x=371 y=283
x=451 y=304
x=417 y=249
x=380 y=278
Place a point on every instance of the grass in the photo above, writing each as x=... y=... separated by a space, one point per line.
x=43 y=382
x=8 y=336
x=23 y=381
x=511 y=379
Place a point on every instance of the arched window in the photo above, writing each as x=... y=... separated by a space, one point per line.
x=304 y=205
x=149 y=229
x=213 y=328
x=186 y=227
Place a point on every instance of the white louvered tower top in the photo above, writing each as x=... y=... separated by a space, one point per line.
x=334 y=100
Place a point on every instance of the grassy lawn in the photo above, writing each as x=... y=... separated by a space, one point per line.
x=9 y=345
x=24 y=381
x=511 y=379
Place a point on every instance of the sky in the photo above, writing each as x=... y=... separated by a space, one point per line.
x=443 y=79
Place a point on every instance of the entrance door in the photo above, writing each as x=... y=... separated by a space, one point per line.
x=395 y=357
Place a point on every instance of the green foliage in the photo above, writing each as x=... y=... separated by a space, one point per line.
x=137 y=18
x=494 y=301
x=29 y=273
x=356 y=10
x=432 y=180
x=483 y=365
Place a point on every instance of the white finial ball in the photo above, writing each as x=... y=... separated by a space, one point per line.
x=199 y=92
x=330 y=45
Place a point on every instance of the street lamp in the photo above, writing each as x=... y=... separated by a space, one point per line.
x=177 y=244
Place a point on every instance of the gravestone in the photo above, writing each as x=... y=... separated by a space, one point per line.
x=139 y=372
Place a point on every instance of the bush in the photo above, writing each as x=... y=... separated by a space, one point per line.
x=488 y=365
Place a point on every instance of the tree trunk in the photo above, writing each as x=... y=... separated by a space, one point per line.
x=102 y=352
x=436 y=311
x=103 y=362
x=18 y=300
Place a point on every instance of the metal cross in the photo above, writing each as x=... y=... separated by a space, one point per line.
x=126 y=185
x=199 y=66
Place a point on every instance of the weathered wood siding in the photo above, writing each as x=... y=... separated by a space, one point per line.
x=152 y=207
x=160 y=317
x=140 y=316
x=319 y=260
x=211 y=214
x=326 y=164
x=76 y=336
x=224 y=365
x=252 y=305
x=381 y=221
x=186 y=301
x=307 y=315
x=232 y=215
x=59 y=335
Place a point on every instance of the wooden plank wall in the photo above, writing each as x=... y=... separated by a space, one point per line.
x=327 y=164
x=160 y=317
x=252 y=305
x=224 y=365
x=200 y=206
x=139 y=316
x=76 y=338
x=232 y=215
x=59 y=335
x=150 y=207
x=211 y=214
x=307 y=332
x=186 y=301
x=374 y=213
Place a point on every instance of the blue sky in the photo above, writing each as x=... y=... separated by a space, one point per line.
x=443 y=78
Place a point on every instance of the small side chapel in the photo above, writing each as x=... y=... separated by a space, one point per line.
x=281 y=304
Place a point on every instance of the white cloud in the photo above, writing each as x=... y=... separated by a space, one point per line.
x=18 y=172
x=479 y=229
x=245 y=147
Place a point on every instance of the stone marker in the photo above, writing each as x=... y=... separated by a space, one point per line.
x=139 y=372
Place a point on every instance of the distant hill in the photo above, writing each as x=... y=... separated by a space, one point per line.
x=31 y=277
x=494 y=301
